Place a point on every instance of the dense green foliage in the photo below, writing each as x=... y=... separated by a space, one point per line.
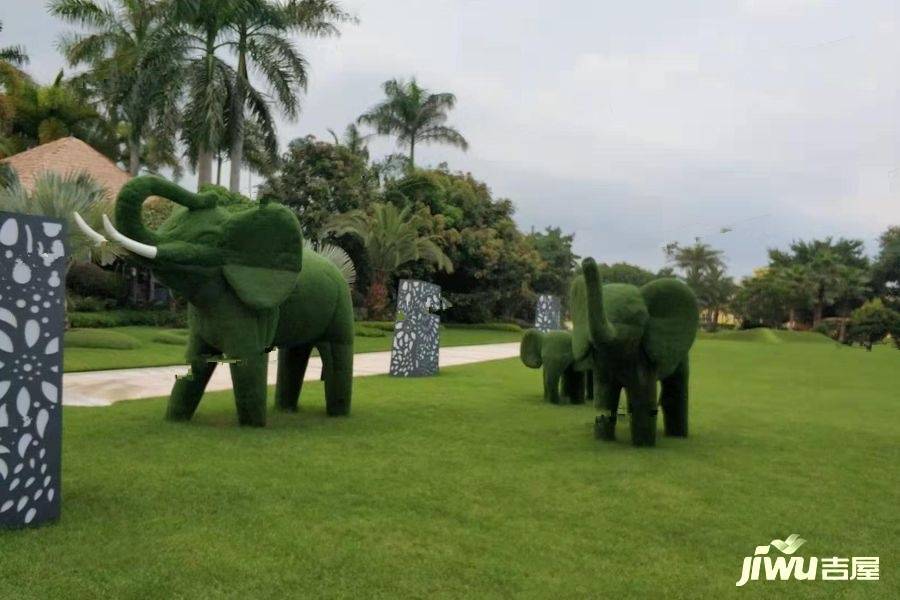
x=470 y=484
x=872 y=322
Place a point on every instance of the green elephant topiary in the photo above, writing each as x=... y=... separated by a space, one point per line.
x=634 y=337
x=553 y=351
x=250 y=288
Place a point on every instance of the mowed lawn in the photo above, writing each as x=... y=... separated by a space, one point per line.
x=161 y=347
x=469 y=486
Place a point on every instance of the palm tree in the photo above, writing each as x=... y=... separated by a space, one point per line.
x=694 y=261
x=258 y=33
x=50 y=112
x=11 y=81
x=353 y=140
x=59 y=197
x=414 y=115
x=121 y=48
x=391 y=238
x=14 y=55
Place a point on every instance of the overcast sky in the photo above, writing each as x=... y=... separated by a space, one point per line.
x=631 y=124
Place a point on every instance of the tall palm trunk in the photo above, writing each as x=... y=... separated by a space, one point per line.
x=236 y=152
x=377 y=296
x=204 y=167
x=412 y=153
x=134 y=156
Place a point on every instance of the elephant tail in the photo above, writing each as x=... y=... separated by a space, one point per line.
x=530 y=350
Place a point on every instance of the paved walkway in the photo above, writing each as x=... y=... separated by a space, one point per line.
x=102 y=388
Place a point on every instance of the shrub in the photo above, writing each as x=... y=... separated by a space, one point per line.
x=175 y=337
x=872 y=323
x=78 y=303
x=380 y=325
x=363 y=331
x=124 y=318
x=98 y=338
x=88 y=279
x=513 y=327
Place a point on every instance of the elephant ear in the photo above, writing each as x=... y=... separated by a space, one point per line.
x=672 y=327
x=263 y=254
x=530 y=350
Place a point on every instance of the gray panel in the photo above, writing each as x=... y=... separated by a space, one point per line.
x=547 y=313
x=416 y=345
x=32 y=296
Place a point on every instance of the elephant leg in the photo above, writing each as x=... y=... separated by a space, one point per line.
x=643 y=408
x=674 y=401
x=551 y=383
x=249 y=379
x=188 y=390
x=606 y=399
x=337 y=372
x=588 y=379
x=573 y=384
x=292 y=364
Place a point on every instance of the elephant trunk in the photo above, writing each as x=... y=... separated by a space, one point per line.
x=131 y=200
x=600 y=327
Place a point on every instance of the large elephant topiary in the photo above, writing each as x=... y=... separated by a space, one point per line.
x=250 y=288
x=553 y=351
x=635 y=337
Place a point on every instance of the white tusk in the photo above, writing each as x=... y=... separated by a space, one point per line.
x=86 y=229
x=129 y=244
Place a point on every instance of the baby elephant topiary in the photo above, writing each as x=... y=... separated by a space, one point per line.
x=634 y=337
x=553 y=352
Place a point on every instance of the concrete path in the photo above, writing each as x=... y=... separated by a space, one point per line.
x=102 y=388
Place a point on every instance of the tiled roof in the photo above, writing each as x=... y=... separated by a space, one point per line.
x=64 y=156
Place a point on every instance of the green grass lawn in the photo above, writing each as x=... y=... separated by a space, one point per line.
x=468 y=485
x=159 y=347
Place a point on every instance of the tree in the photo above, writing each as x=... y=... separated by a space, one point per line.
x=259 y=35
x=414 y=115
x=11 y=81
x=123 y=49
x=559 y=262
x=353 y=140
x=829 y=273
x=622 y=272
x=763 y=299
x=886 y=270
x=318 y=180
x=704 y=272
x=392 y=237
x=495 y=264
x=50 y=112
x=872 y=322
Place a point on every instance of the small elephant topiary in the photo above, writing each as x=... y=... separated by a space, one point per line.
x=250 y=287
x=635 y=337
x=553 y=351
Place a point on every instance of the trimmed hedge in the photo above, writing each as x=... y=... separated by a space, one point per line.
x=94 y=338
x=488 y=326
x=124 y=318
x=175 y=338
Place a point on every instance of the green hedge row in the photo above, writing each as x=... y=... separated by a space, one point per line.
x=126 y=317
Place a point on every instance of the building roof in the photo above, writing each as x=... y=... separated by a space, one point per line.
x=65 y=156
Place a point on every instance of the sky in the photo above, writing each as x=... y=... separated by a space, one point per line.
x=630 y=124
